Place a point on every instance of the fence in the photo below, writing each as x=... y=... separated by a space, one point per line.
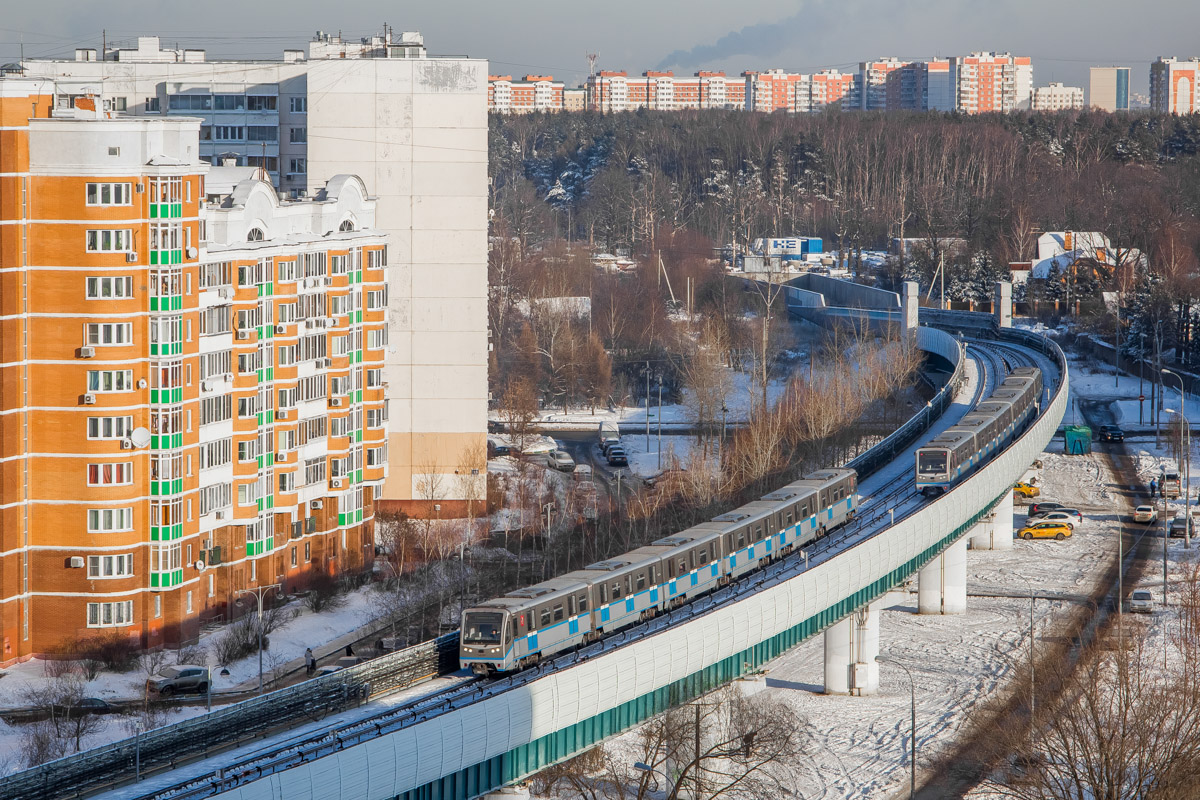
x=93 y=769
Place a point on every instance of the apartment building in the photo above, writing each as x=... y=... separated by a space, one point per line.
x=874 y=78
x=1057 y=97
x=776 y=90
x=1173 y=85
x=1108 y=88
x=575 y=99
x=532 y=93
x=305 y=118
x=191 y=391
x=831 y=88
x=992 y=82
x=611 y=91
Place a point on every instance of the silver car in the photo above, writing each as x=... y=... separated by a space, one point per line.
x=179 y=678
x=1065 y=517
x=1141 y=602
x=560 y=460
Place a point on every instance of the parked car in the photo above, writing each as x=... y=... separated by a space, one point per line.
x=1179 y=527
x=86 y=705
x=582 y=472
x=1111 y=433
x=1045 y=530
x=616 y=456
x=1141 y=602
x=496 y=449
x=1147 y=514
x=339 y=665
x=1026 y=490
x=179 y=678
x=608 y=434
x=1044 y=507
x=1060 y=516
x=560 y=460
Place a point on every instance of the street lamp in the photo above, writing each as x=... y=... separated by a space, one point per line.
x=912 y=692
x=259 y=593
x=641 y=766
x=1185 y=462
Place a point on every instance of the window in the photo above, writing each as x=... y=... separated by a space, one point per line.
x=109 y=194
x=229 y=102
x=108 y=288
x=298 y=135
x=110 y=380
x=338 y=265
x=116 y=474
x=101 y=334
x=216 y=409
x=314 y=471
x=216 y=275
x=255 y=235
x=287 y=355
x=261 y=103
x=299 y=105
x=376 y=417
x=298 y=166
x=109 y=427
x=109 y=615
x=218 y=363
x=119 y=566
x=188 y=602
x=165 y=557
x=216 y=320
x=215 y=497
x=108 y=520
x=374 y=378
x=286 y=271
x=287 y=482
x=262 y=133
x=152 y=104
x=377 y=338
x=247 y=406
x=376 y=299
x=228 y=133
x=247 y=493
x=376 y=456
x=109 y=241
x=190 y=102
x=216 y=454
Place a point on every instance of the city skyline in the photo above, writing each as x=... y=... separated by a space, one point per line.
x=1064 y=40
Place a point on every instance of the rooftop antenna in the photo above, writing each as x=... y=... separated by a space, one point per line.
x=591 y=59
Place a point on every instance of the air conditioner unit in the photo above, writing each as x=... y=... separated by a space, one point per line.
x=281 y=414
x=279 y=328
x=76 y=562
x=206 y=386
x=325 y=362
x=89 y=399
x=131 y=257
x=219 y=514
x=243 y=334
x=331 y=322
x=336 y=483
x=335 y=401
x=281 y=456
x=191 y=252
x=310 y=323
x=87 y=352
x=316 y=505
x=126 y=444
x=229 y=376
x=225 y=292
x=140 y=188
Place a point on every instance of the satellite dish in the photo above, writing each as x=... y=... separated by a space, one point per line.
x=139 y=437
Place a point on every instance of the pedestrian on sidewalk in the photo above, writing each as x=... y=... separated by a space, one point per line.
x=349 y=650
x=1153 y=487
x=310 y=662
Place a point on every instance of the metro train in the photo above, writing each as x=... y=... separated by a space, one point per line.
x=515 y=631
x=986 y=429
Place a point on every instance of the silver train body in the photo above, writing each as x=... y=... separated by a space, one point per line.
x=519 y=629
x=986 y=429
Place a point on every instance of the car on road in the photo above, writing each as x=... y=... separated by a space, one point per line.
x=177 y=679
x=339 y=665
x=1141 y=602
x=1045 y=530
x=616 y=456
x=1111 y=433
x=560 y=460
x=85 y=705
x=1147 y=514
x=582 y=472
x=1179 y=528
x=1064 y=516
x=496 y=449
x=1026 y=490
x=1044 y=507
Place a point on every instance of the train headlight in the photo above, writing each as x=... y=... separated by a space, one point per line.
x=495 y=651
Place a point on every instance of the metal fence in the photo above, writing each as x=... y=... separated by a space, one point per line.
x=313 y=699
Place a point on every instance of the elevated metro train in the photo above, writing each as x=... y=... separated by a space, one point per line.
x=986 y=429
x=517 y=630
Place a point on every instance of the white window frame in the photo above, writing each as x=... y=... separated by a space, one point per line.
x=117 y=427
x=102 y=288
x=108 y=334
x=118 y=614
x=119 y=194
x=108 y=567
x=102 y=376
x=121 y=473
x=119 y=519
x=108 y=240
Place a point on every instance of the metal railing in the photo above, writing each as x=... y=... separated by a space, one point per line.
x=229 y=725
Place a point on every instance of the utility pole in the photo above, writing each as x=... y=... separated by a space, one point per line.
x=647 y=406
x=660 y=423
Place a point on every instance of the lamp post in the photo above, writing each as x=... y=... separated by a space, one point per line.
x=259 y=592
x=912 y=694
x=641 y=766
x=1185 y=460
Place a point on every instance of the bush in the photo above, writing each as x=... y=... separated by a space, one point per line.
x=325 y=593
x=239 y=640
x=194 y=654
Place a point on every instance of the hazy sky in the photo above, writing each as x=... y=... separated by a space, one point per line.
x=1064 y=37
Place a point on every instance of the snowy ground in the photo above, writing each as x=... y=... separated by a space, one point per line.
x=1094 y=380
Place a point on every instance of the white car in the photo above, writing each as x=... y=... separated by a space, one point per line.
x=1147 y=514
x=1141 y=602
x=1070 y=520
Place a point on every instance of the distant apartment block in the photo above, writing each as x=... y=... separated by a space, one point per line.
x=414 y=128
x=799 y=93
x=1057 y=97
x=575 y=99
x=1173 y=85
x=611 y=91
x=531 y=93
x=192 y=377
x=992 y=82
x=874 y=78
x=1108 y=88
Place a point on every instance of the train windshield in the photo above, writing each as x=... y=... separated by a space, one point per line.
x=482 y=627
x=931 y=462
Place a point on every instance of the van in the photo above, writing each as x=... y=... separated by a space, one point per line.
x=608 y=434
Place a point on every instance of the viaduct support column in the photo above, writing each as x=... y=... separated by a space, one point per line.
x=995 y=531
x=942 y=584
x=1002 y=304
x=850 y=649
x=909 y=306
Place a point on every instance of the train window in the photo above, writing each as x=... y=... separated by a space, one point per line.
x=558 y=613
x=545 y=618
x=616 y=591
x=805 y=512
x=757 y=532
x=603 y=593
x=741 y=540
x=641 y=582
x=583 y=604
x=788 y=524
x=512 y=629
x=683 y=566
x=703 y=557
x=571 y=606
x=931 y=462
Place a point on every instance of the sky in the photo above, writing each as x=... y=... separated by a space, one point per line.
x=1064 y=37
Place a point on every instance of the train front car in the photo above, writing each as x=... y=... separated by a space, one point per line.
x=933 y=470
x=484 y=643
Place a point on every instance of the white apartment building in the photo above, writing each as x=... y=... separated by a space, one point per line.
x=414 y=128
x=1057 y=97
x=873 y=78
x=1173 y=85
x=992 y=82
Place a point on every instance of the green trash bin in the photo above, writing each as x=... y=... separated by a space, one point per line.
x=1078 y=440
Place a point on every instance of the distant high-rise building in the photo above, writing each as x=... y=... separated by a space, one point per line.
x=575 y=99
x=1109 y=88
x=990 y=82
x=875 y=80
x=1173 y=85
x=609 y=91
x=937 y=88
x=1057 y=97
x=533 y=93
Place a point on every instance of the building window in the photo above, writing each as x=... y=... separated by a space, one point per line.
x=109 y=288
x=376 y=417
x=119 y=566
x=109 y=427
x=308 y=551
x=299 y=105
x=247 y=494
x=247 y=450
x=109 y=241
x=298 y=166
x=293 y=555
x=286 y=270
x=254 y=235
x=152 y=104
x=287 y=482
x=101 y=334
x=109 y=520
x=298 y=135
x=262 y=133
x=212 y=586
x=165 y=557
x=190 y=102
x=261 y=103
x=188 y=602
x=116 y=474
x=109 y=194
x=157 y=606
x=110 y=380
x=110 y=615
x=229 y=102
x=228 y=133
